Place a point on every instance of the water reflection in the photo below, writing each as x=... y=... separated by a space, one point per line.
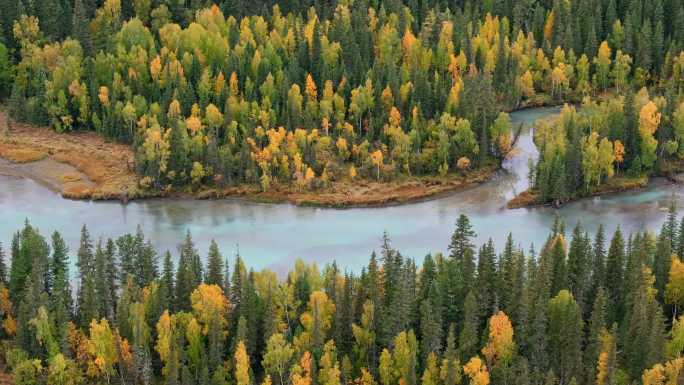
x=273 y=235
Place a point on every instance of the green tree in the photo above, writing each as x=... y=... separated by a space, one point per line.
x=277 y=358
x=60 y=304
x=565 y=336
x=469 y=337
x=215 y=268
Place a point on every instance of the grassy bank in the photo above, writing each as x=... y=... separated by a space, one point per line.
x=531 y=198
x=78 y=165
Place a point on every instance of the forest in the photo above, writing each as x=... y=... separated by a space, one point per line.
x=583 y=309
x=301 y=94
x=305 y=93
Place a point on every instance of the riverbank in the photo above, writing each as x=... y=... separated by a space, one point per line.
x=530 y=198
x=83 y=165
x=360 y=193
x=79 y=165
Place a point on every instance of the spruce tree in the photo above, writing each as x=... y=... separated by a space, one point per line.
x=60 y=303
x=565 y=336
x=3 y=267
x=680 y=238
x=559 y=276
x=127 y=247
x=166 y=284
x=486 y=280
x=88 y=302
x=614 y=277
x=451 y=370
x=105 y=299
x=237 y=289
x=579 y=257
x=596 y=328
x=430 y=330
x=79 y=25
x=469 y=338
x=598 y=265
x=29 y=251
x=111 y=272
x=188 y=274
x=48 y=12
x=644 y=337
x=147 y=264
x=644 y=43
x=215 y=268
x=85 y=258
x=462 y=255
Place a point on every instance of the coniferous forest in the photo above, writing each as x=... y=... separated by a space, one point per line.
x=583 y=309
x=301 y=94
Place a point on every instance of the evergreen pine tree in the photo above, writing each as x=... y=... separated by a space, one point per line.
x=579 y=257
x=215 y=268
x=565 y=336
x=166 y=284
x=3 y=267
x=486 y=281
x=451 y=370
x=556 y=251
x=28 y=249
x=103 y=292
x=596 y=326
x=188 y=273
x=644 y=339
x=598 y=265
x=79 y=25
x=60 y=303
x=469 y=338
x=462 y=253
x=48 y=12
x=614 y=277
x=147 y=264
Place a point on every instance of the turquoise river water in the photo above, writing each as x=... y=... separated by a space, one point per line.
x=273 y=235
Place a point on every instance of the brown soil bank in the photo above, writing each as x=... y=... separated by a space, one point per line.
x=530 y=198
x=78 y=165
x=83 y=165
x=360 y=193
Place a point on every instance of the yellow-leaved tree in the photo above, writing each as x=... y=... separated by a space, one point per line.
x=242 y=365
x=476 y=370
x=649 y=119
x=316 y=320
x=674 y=290
x=500 y=347
x=606 y=367
x=301 y=373
x=102 y=346
x=667 y=374
x=602 y=62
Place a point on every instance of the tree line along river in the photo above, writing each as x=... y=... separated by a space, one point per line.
x=273 y=235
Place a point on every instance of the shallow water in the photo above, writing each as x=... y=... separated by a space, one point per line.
x=273 y=235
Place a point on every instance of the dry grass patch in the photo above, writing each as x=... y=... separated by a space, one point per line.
x=94 y=170
x=76 y=191
x=524 y=199
x=106 y=164
x=20 y=154
x=70 y=178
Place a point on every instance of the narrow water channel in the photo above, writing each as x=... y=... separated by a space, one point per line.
x=273 y=235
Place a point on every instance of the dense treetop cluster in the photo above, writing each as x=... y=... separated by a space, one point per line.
x=633 y=135
x=579 y=311
x=308 y=92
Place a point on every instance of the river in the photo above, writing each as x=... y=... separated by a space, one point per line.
x=273 y=235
